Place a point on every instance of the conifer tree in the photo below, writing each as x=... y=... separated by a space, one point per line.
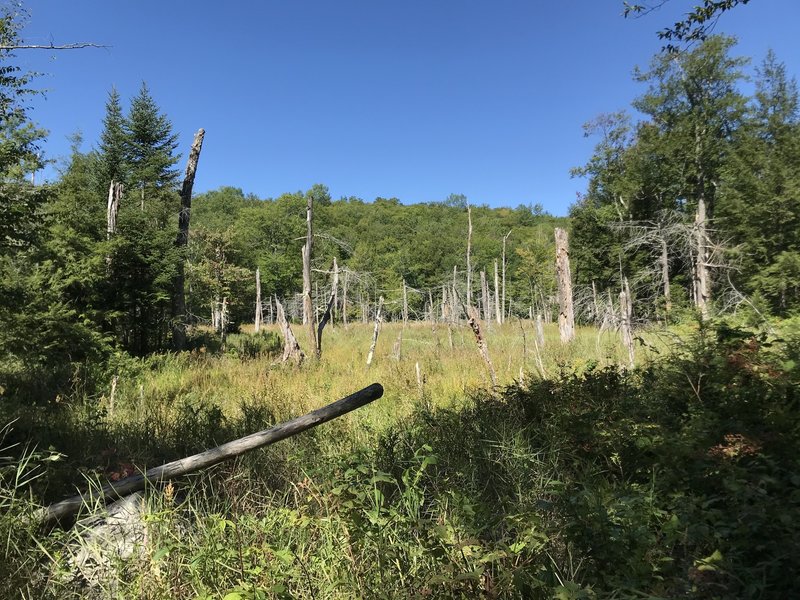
x=113 y=144
x=150 y=145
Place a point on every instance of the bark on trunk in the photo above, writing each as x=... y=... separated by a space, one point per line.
x=474 y=323
x=326 y=317
x=702 y=282
x=213 y=456
x=497 y=308
x=626 y=314
x=291 y=349
x=566 y=316
x=179 y=293
x=375 y=333
x=469 y=258
x=257 y=326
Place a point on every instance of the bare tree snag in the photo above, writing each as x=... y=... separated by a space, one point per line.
x=540 y=330
x=179 y=293
x=223 y=319
x=433 y=308
x=469 y=259
x=259 y=315
x=702 y=281
x=505 y=238
x=665 y=274
x=291 y=349
x=397 y=349
x=498 y=309
x=327 y=315
x=485 y=298
x=626 y=314
x=335 y=292
x=566 y=315
x=420 y=380
x=114 y=198
x=211 y=457
x=308 y=305
x=474 y=323
x=344 y=298
x=375 y=332
x=405 y=304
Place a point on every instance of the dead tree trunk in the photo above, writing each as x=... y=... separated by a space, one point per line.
x=405 y=304
x=540 y=330
x=485 y=298
x=505 y=238
x=291 y=349
x=114 y=198
x=308 y=304
x=498 y=311
x=179 y=293
x=566 y=315
x=469 y=258
x=626 y=314
x=335 y=292
x=665 y=274
x=375 y=333
x=259 y=316
x=211 y=457
x=326 y=317
x=701 y=285
x=474 y=323
x=344 y=298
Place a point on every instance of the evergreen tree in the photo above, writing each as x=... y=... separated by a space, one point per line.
x=150 y=145
x=113 y=144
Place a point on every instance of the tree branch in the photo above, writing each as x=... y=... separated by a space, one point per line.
x=53 y=46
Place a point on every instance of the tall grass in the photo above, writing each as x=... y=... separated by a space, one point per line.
x=676 y=479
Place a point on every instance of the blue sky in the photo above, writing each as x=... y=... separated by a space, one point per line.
x=415 y=99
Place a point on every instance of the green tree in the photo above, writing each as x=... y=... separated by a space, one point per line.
x=113 y=146
x=151 y=144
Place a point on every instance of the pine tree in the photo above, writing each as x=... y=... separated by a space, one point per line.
x=113 y=144
x=150 y=145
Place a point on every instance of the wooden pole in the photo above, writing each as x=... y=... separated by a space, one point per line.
x=179 y=293
x=344 y=297
x=566 y=316
x=485 y=298
x=211 y=457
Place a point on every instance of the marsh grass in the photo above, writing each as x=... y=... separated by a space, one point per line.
x=675 y=479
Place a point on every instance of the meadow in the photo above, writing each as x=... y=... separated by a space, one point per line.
x=575 y=478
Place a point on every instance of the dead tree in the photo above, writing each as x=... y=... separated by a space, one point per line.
x=702 y=282
x=375 y=332
x=475 y=325
x=259 y=315
x=308 y=304
x=190 y=464
x=485 y=298
x=566 y=315
x=505 y=238
x=327 y=315
x=626 y=314
x=335 y=292
x=539 y=330
x=497 y=308
x=469 y=259
x=179 y=294
x=114 y=199
x=291 y=349
x=405 y=304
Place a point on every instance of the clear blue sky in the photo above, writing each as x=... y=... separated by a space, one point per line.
x=414 y=99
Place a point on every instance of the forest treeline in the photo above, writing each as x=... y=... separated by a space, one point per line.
x=695 y=201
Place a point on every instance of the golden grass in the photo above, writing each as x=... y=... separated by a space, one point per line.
x=448 y=373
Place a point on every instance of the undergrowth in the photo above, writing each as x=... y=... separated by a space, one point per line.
x=677 y=479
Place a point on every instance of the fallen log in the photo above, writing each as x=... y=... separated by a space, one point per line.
x=114 y=491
